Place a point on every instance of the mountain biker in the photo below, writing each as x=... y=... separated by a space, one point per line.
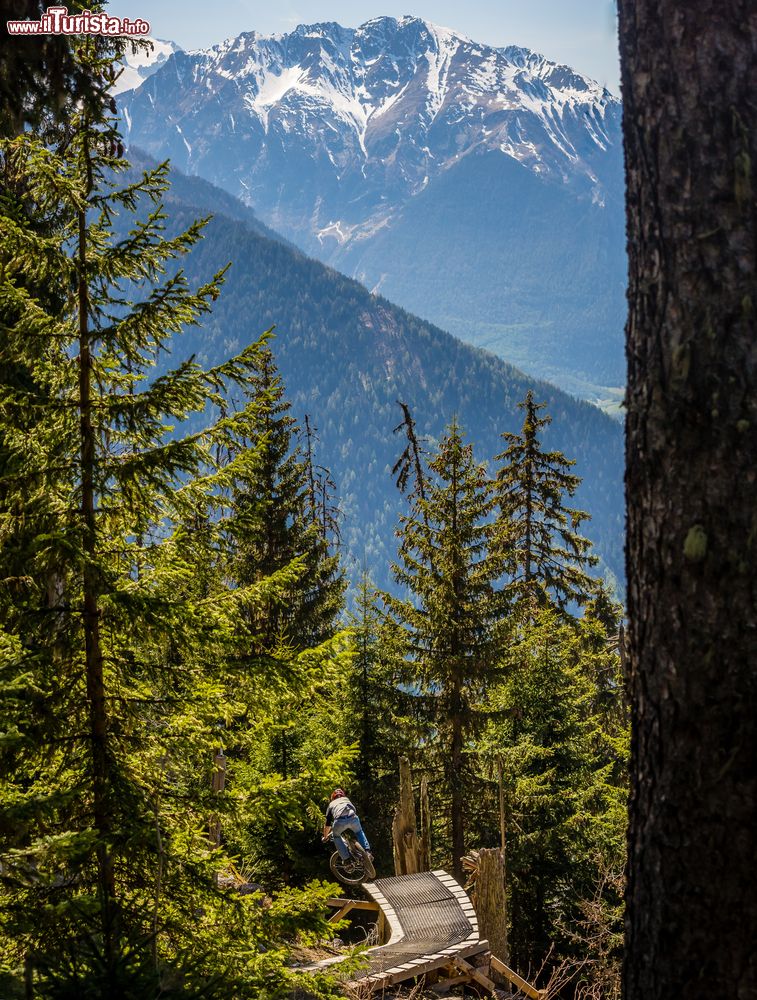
x=341 y=815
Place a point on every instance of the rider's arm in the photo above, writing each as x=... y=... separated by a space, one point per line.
x=326 y=831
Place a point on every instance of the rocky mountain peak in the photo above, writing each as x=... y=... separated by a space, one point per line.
x=327 y=132
x=476 y=185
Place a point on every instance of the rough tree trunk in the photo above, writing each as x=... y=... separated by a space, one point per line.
x=491 y=902
x=404 y=829
x=455 y=777
x=218 y=783
x=690 y=131
x=425 y=845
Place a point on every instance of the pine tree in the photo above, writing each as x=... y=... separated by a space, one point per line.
x=565 y=784
x=537 y=534
x=600 y=636
x=278 y=527
x=450 y=616
x=377 y=715
x=118 y=632
x=278 y=518
x=324 y=514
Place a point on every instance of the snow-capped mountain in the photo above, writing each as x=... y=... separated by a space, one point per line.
x=353 y=143
x=137 y=66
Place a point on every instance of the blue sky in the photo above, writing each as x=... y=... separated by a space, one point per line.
x=581 y=33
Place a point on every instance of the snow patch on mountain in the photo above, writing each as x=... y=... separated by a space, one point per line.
x=439 y=59
x=138 y=66
x=272 y=88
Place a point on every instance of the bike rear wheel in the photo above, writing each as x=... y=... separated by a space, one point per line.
x=351 y=871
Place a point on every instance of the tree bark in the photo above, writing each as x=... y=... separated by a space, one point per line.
x=491 y=902
x=218 y=783
x=689 y=74
x=455 y=774
x=425 y=845
x=456 y=709
x=404 y=829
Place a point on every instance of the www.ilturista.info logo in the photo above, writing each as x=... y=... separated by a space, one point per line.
x=58 y=21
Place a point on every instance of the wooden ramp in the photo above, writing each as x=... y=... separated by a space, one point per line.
x=430 y=922
x=431 y=925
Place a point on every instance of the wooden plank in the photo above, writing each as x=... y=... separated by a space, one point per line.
x=499 y=966
x=420 y=970
x=340 y=913
x=474 y=973
x=447 y=984
x=355 y=904
x=379 y=981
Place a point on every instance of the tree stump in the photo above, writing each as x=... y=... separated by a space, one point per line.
x=491 y=901
x=404 y=829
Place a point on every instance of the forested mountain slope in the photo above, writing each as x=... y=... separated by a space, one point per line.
x=493 y=173
x=347 y=356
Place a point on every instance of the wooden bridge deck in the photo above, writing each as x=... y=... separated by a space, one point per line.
x=431 y=923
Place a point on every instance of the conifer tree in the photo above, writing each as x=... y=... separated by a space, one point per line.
x=118 y=630
x=537 y=535
x=278 y=519
x=691 y=455
x=278 y=525
x=600 y=636
x=565 y=784
x=451 y=613
x=376 y=715
x=322 y=504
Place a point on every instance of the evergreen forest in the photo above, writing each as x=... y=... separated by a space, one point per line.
x=203 y=634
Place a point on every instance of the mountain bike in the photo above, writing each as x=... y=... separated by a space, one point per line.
x=355 y=869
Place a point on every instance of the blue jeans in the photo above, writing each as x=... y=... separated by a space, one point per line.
x=348 y=823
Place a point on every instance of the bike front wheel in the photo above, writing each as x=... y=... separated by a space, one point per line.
x=361 y=856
